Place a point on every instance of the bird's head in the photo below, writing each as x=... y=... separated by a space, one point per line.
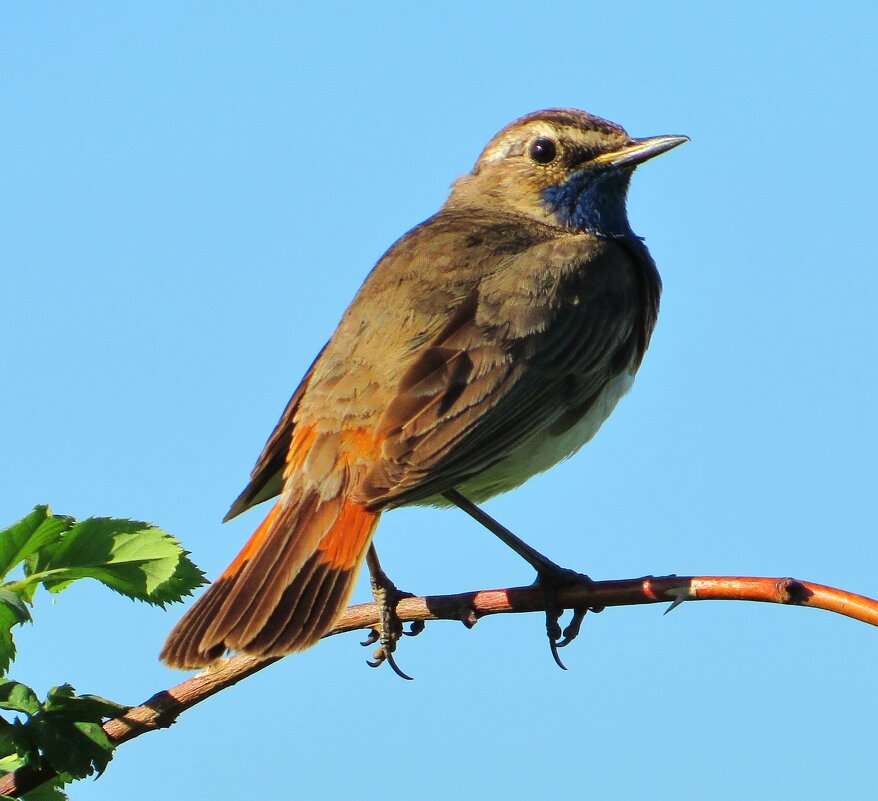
x=563 y=167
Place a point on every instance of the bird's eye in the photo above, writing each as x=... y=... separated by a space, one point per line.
x=543 y=150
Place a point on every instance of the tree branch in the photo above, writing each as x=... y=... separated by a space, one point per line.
x=164 y=707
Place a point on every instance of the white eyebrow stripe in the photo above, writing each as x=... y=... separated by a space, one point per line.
x=515 y=139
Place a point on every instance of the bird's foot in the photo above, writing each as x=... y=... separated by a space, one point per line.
x=389 y=628
x=550 y=581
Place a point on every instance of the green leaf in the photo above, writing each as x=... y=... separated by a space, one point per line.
x=82 y=707
x=48 y=791
x=27 y=536
x=69 y=746
x=16 y=745
x=13 y=611
x=18 y=697
x=15 y=604
x=9 y=763
x=134 y=558
x=8 y=619
x=9 y=745
x=65 y=731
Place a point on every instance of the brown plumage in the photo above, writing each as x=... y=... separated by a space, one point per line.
x=489 y=342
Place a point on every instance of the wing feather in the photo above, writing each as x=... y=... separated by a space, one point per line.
x=515 y=364
x=266 y=478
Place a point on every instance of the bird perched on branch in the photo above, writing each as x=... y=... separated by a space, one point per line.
x=489 y=343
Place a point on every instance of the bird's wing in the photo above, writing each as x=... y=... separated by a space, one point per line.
x=468 y=336
x=528 y=350
x=266 y=478
x=399 y=306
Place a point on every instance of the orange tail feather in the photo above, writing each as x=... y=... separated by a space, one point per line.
x=285 y=588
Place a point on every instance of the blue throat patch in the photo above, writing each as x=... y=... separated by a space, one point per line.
x=593 y=202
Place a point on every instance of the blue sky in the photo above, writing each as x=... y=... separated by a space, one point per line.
x=191 y=195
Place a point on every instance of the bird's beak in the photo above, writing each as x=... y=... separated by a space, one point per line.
x=637 y=151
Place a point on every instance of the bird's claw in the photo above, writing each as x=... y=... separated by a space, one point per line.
x=571 y=630
x=382 y=655
x=550 y=582
x=373 y=637
x=389 y=628
x=415 y=628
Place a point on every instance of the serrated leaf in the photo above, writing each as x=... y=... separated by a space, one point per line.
x=69 y=746
x=16 y=745
x=13 y=537
x=9 y=759
x=90 y=708
x=10 y=763
x=8 y=619
x=38 y=530
x=62 y=691
x=48 y=791
x=66 y=732
x=18 y=697
x=134 y=558
x=13 y=611
x=15 y=605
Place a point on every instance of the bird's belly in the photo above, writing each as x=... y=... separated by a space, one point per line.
x=544 y=450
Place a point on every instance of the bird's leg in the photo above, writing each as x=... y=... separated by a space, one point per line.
x=551 y=577
x=389 y=628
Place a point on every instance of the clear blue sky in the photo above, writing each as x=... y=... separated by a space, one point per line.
x=191 y=194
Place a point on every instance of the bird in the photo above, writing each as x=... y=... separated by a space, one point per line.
x=488 y=343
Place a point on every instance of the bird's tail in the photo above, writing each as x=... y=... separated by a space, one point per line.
x=285 y=589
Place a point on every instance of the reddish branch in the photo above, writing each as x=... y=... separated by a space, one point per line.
x=164 y=707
